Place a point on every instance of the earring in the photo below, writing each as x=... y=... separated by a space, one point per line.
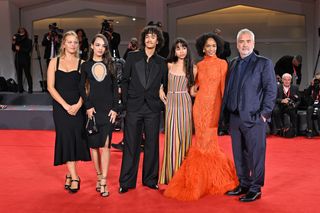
x=203 y=51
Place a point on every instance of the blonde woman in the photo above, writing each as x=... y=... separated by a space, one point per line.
x=68 y=116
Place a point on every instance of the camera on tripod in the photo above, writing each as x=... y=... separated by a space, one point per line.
x=55 y=30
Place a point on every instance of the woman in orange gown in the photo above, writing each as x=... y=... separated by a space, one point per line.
x=206 y=169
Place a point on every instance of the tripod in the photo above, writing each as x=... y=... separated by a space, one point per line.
x=43 y=83
x=315 y=68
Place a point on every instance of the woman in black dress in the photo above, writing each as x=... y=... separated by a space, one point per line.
x=98 y=89
x=68 y=116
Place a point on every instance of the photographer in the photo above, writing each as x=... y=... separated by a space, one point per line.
x=312 y=94
x=52 y=41
x=83 y=44
x=22 y=46
x=113 y=37
x=284 y=115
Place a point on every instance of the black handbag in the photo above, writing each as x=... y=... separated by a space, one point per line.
x=91 y=126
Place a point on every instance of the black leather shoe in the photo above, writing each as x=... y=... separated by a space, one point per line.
x=153 y=186
x=123 y=190
x=250 y=196
x=237 y=191
x=118 y=146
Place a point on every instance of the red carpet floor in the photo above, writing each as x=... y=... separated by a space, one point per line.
x=30 y=183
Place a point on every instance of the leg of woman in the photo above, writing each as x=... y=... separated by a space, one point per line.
x=105 y=160
x=96 y=157
x=75 y=182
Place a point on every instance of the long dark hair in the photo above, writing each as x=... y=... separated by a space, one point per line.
x=106 y=57
x=188 y=62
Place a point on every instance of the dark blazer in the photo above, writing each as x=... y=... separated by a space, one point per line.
x=23 y=56
x=258 y=90
x=47 y=44
x=293 y=94
x=284 y=65
x=135 y=90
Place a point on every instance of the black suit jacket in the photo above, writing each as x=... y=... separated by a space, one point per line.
x=23 y=56
x=135 y=89
x=47 y=44
x=284 y=65
x=293 y=95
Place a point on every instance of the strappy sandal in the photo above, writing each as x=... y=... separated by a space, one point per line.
x=67 y=182
x=98 y=182
x=75 y=189
x=104 y=192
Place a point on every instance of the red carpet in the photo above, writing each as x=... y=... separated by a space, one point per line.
x=30 y=183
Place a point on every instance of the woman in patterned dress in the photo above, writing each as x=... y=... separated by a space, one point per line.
x=178 y=117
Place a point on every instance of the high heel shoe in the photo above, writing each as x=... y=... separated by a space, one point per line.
x=67 y=182
x=98 y=182
x=104 y=190
x=75 y=190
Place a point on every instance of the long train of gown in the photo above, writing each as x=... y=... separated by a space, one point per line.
x=206 y=169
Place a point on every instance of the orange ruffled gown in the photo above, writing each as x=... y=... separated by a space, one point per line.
x=206 y=169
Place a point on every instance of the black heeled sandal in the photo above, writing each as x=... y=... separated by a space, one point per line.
x=98 y=182
x=105 y=192
x=66 y=185
x=76 y=189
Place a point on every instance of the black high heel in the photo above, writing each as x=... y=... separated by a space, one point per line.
x=76 y=189
x=98 y=182
x=104 y=193
x=67 y=186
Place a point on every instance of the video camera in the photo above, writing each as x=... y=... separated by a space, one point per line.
x=54 y=30
x=315 y=112
x=17 y=38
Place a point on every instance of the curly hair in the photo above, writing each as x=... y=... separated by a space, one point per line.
x=201 y=42
x=188 y=62
x=152 y=30
x=106 y=57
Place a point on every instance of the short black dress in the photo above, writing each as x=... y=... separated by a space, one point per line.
x=71 y=142
x=103 y=96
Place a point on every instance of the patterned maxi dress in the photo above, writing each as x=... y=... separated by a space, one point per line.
x=178 y=126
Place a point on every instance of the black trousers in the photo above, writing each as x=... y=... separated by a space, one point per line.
x=284 y=118
x=249 y=151
x=311 y=123
x=23 y=66
x=131 y=150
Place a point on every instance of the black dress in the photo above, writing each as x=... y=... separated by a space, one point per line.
x=71 y=142
x=103 y=96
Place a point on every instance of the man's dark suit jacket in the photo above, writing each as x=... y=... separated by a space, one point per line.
x=135 y=90
x=258 y=90
x=293 y=94
x=284 y=65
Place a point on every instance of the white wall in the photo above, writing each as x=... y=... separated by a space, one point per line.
x=8 y=23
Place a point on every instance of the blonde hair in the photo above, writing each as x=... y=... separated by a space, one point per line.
x=62 y=51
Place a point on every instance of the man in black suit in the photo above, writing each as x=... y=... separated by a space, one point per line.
x=51 y=41
x=22 y=46
x=144 y=73
x=114 y=38
x=249 y=97
x=284 y=115
x=289 y=64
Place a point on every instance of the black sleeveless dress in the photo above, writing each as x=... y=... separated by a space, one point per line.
x=71 y=142
x=103 y=96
